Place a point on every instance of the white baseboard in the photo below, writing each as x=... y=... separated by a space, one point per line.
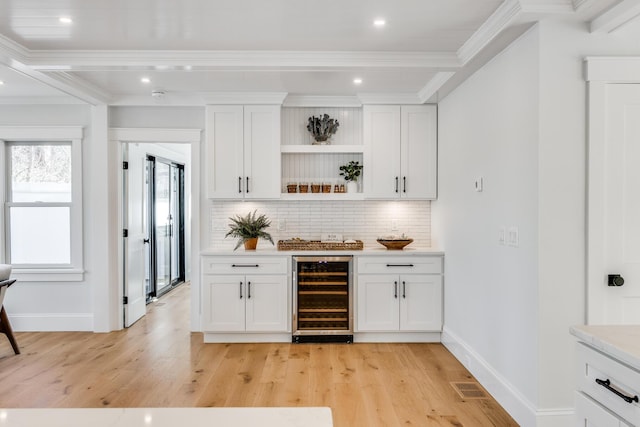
x=509 y=397
x=52 y=322
x=392 y=337
x=244 y=337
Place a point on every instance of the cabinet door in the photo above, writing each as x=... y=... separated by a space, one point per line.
x=590 y=413
x=420 y=302
x=381 y=135
x=378 y=307
x=224 y=152
x=223 y=300
x=262 y=151
x=267 y=304
x=418 y=152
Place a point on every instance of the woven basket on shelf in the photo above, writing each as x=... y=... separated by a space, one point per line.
x=317 y=245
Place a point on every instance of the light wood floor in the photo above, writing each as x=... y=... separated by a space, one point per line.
x=158 y=363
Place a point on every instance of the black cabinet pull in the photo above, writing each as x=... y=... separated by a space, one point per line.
x=249 y=290
x=399 y=265
x=245 y=265
x=247 y=184
x=607 y=384
x=396 y=184
x=239 y=184
x=404 y=184
x=240 y=290
x=395 y=289
x=404 y=289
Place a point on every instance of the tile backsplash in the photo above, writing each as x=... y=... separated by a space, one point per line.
x=360 y=220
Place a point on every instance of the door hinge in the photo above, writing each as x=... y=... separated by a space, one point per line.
x=125 y=165
x=125 y=300
x=125 y=233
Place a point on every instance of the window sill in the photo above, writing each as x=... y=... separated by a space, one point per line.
x=47 y=275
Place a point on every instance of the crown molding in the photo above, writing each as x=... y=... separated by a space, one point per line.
x=389 y=98
x=40 y=100
x=433 y=85
x=505 y=14
x=321 y=101
x=83 y=60
x=12 y=51
x=234 y=98
x=170 y=99
x=615 y=17
x=547 y=6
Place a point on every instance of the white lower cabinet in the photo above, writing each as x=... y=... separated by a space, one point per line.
x=399 y=294
x=591 y=414
x=608 y=390
x=257 y=301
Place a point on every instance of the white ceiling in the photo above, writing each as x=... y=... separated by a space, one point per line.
x=193 y=48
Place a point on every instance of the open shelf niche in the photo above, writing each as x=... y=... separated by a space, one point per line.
x=303 y=162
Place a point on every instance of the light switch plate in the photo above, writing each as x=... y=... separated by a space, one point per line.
x=513 y=236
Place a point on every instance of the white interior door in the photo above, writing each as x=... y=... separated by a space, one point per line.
x=135 y=223
x=621 y=238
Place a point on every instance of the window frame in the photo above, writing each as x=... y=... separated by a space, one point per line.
x=74 y=271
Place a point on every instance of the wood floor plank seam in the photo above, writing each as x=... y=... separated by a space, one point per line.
x=158 y=362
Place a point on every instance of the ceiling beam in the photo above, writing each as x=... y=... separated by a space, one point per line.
x=236 y=60
x=616 y=17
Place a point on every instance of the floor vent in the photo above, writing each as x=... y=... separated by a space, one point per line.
x=469 y=390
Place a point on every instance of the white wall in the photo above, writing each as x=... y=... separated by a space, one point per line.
x=56 y=306
x=540 y=77
x=488 y=127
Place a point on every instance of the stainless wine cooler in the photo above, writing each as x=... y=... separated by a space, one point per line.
x=323 y=303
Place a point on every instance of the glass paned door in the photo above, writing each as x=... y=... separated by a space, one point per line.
x=163 y=225
x=166 y=225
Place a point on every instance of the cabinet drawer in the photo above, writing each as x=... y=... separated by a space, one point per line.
x=244 y=265
x=399 y=264
x=592 y=366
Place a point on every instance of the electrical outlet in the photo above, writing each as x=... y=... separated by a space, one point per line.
x=394 y=225
x=282 y=224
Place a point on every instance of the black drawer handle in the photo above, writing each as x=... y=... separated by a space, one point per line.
x=399 y=265
x=245 y=265
x=607 y=384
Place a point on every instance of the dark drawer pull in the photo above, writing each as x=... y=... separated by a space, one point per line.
x=245 y=265
x=607 y=384
x=399 y=265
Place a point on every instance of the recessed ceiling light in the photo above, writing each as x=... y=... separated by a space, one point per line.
x=65 y=20
x=357 y=81
x=379 y=23
x=1 y=83
x=145 y=80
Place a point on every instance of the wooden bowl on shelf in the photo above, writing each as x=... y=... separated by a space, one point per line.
x=395 y=244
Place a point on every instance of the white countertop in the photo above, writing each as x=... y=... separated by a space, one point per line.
x=619 y=341
x=167 y=417
x=267 y=249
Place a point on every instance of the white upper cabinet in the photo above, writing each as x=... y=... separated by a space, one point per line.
x=243 y=151
x=400 y=154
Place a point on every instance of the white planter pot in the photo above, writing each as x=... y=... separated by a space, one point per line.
x=352 y=187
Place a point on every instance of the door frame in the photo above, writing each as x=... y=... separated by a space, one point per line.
x=120 y=136
x=600 y=72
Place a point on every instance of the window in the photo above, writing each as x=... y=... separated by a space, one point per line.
x=43 y=209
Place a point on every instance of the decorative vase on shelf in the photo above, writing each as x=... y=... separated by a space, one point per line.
x=352 y=187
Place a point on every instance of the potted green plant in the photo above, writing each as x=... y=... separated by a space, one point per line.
x=351 y=172
x=322 y=128
x=248 y=229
